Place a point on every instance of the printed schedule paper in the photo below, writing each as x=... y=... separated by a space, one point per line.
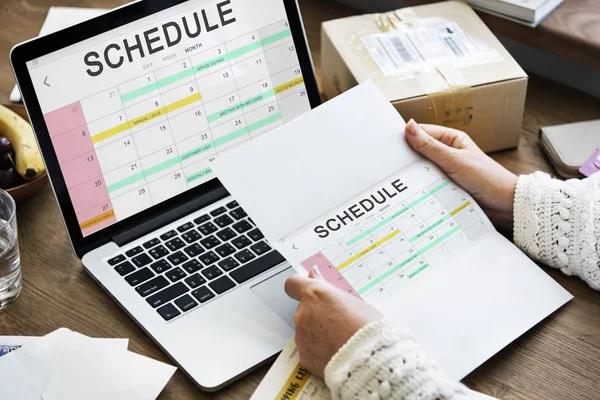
x=340 y=188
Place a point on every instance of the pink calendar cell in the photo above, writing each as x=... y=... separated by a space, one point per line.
x=330 y=273
x=89 y=194
x=96 y=218
x=81 y=169
x=72 y=144
x=65 y=119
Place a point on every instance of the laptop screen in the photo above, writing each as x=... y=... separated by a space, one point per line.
x=137 y=114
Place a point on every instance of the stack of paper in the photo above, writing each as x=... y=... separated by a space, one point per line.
x=67 y=365
x=528 y=12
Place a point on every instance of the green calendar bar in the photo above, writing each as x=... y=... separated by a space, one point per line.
x=404 y=263
x=204 y=66
x=397 y=214
x=194 y=153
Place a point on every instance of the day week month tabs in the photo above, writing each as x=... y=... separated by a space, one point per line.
x=389 y=236
x=136 y=115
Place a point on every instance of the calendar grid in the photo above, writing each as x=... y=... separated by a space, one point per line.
x=138 y=143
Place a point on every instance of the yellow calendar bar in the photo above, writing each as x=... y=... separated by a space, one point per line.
x=367 y=250
x=142 y=119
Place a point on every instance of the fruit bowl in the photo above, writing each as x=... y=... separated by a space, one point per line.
x=28 y=189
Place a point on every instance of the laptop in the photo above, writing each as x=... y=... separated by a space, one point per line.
x=130 y=109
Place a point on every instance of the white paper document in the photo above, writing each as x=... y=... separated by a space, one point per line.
x=67 y=365
x=340 y=188
x=91 y=371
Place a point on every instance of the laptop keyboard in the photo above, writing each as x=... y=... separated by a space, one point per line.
x=197 y=262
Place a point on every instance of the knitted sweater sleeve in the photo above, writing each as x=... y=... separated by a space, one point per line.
x=380 y=363
x=558 y=223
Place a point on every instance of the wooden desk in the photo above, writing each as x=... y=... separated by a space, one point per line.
x=558 y=359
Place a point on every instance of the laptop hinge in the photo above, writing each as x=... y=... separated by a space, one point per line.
x=169 y=216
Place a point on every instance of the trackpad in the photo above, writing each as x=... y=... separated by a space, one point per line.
x=272 y=293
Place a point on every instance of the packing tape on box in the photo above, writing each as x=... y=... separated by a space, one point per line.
x=388 y=53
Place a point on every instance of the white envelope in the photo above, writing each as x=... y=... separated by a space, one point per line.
x=92 y=371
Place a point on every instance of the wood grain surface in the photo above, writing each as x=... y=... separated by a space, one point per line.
x=558 y=359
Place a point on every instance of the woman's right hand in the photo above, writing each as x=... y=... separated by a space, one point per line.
x=492 y=185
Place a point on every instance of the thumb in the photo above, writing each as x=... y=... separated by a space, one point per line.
x=296 y=284
x=425 y=144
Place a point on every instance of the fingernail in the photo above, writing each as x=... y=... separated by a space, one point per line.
x=413 y=128
x=317 y=271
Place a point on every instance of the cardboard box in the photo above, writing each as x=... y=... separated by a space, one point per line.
x=436 y=63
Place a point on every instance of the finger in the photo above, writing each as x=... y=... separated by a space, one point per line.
x=315 y=273
x=425 y=144
x=449 y=136
x=295 y=284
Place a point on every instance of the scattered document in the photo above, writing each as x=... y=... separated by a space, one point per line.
x=341 y=189
x=90 y=370
x=60 y=364
x=288 y=379
x=11 y=343
x=60 y=18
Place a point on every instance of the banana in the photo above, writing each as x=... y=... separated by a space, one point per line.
x=28 y=160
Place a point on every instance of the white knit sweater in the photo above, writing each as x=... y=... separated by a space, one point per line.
x=555 y=222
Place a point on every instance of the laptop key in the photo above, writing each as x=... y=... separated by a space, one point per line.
x=255 y=234
x=208 y=258
x=226 y=234
x=218 y=211
x=201 y=219
x=207 y=228
x=194 y=250
x=223 y=221
x=192 y=266
x=161 y=266
x=195 y=280
x=168 y=294
x=211 y=272
x=241 y=241
x=175 y=274
x=242 y=226
x=186 y=303
x=158 y=252
x=222 y=285
x=244 y=256
x=185 y=227
x=257 y=267
x=203 y=294
x=151 y=243
x=138 y=277
x=233 y=204
x=124 y=268
x=191 y=236
x=228 y=264
x=177 y=258
x=153 y=285
x=260 y=248
x=225 y=250
x=210 y=242
x=134 y=251
x=175 y=244
x=168 y=235
x=238 y=213
x=168 y=312
x=141 y=260
x=116 y=260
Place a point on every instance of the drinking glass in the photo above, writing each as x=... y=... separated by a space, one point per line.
x=10 y=262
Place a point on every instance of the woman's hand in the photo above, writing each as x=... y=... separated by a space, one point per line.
x=492 y=185
x=325 y=320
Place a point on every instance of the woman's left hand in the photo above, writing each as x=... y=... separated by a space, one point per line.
x=325 y=320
